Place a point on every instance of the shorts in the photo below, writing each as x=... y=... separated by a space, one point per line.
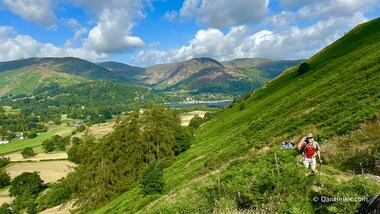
x=310 y=162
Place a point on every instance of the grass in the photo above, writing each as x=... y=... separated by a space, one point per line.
x=234 y=152
x=25 y=80
x=18 y=144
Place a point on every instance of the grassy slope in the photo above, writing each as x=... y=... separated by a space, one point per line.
x=230 y=153
x=25 y=80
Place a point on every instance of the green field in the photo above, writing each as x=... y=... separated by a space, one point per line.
x=17 y=145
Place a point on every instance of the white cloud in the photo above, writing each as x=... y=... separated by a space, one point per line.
x=15 y=46
x=335 y=8
x=39 y=11
x=112 y=33
x=296 y=3
x=115 y=20
x=290 y=43
x=225 y=13
x=170 y=15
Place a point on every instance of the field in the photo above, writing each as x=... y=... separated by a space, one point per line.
x=99 y=130
x=4 y=196
x=17 y=145
x=40 y=156
x=50 y=171
x=186 y=117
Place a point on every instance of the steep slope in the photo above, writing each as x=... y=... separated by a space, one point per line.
x=234 y=165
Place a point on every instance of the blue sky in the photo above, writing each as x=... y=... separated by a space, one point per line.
x=147 y=32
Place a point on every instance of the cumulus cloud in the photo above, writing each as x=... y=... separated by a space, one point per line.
x=291 y=43
x=15 y=46
x=225 y=13
x=39 y=11
x=115 y=20
x=335 y=8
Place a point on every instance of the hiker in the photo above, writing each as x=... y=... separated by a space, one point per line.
x=287 y=145
x=310 y=148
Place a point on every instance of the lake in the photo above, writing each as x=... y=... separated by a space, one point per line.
x=215 y=104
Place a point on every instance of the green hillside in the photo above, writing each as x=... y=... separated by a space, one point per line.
x=25 y=80
x=24 y=75
x=234 y=164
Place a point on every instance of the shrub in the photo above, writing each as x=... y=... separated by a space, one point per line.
x=303 y=68
x=152 y=180
x=5 y=179
x=5 y=209
x=4 y=161
x=195 y=122
x=28 y=152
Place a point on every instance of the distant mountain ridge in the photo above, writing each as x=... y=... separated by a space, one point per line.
x=195 y=76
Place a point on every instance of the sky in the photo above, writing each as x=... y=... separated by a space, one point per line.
x=148 y=32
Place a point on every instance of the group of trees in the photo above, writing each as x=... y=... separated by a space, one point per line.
x=56 y=143
x=10 y=124
x=150 y=138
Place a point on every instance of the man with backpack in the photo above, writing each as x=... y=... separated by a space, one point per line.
x=310 y=149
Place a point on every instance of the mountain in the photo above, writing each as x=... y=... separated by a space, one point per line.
x=261 y=69
x=206 y=75
x=124 y=72
x=235 y=164
x=24 y=75
x=194 y=76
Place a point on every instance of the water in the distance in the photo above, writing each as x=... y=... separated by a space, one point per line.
x=218 y=104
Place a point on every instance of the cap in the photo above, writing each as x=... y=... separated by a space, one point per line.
x=309 y=135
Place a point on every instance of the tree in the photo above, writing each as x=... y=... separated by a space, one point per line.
x=74 y=154
x=28 y=183
x=5 y=179
x=184 y=137
x=48 y=145
x=195 y=122
x=152 y=181
x=28 y=152
x=4 y=161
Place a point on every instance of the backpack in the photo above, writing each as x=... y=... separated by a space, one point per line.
x=309 y=150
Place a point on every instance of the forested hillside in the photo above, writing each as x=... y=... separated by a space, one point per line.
x=94 y=101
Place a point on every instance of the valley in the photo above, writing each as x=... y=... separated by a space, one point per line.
x=194 y=136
